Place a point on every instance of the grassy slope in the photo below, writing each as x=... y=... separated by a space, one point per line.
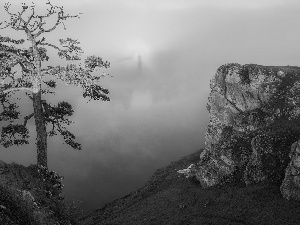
x=169 y=198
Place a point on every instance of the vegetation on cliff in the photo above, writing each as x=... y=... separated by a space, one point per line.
x=33 y=195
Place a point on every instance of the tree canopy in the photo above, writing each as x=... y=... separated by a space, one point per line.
x=33 y=74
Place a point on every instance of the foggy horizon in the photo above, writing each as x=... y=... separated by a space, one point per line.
x=163 y=54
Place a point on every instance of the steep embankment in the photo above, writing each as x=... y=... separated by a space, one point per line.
x=251 y=151
x=170 y=198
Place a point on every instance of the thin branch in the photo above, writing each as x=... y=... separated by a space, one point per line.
x=6 y=7
x=49 y=30
x=32 y=26
x=18 y=23
x=51 y=45
x=31 y=16
x=14 y=18
x=26 y=118
x=60 y=16
x=21 y=13
x=66 y=53
x=1 y=28
x=15 y=89
x=29 y=96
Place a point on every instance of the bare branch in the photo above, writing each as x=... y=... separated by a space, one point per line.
x=18 y=23
x=33 y=28
x=51 y=45
x=44 y=31
x=26 y=118
x=6 y=7
x=60 y=17
x=15 y=89
x=32 y=14
x=14 y=18
x=22 y=12
x=29 y=95
x=7 y=25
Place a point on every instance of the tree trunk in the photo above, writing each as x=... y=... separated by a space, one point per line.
x=41 y=133
x=40 y=130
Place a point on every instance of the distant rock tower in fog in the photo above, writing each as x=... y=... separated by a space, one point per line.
x=139 y=63
x=133 y=58
x=136 y=54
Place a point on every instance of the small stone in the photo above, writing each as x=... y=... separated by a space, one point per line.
x=280 y=74
x=182 y=206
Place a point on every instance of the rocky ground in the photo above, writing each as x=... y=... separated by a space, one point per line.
x=169 y=198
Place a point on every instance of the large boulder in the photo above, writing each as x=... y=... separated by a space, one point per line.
x=290 y=187
x=254 y=119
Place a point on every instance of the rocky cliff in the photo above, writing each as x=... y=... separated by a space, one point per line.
x=251 y=159
x=254 y=128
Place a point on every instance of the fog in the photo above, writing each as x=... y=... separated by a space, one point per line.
x=163 y=54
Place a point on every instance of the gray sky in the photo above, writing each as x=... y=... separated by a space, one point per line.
x=163 y=54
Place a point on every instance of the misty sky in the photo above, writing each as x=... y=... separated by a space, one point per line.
x=163 y=54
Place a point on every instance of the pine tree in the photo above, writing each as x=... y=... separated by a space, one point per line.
x=33 y=74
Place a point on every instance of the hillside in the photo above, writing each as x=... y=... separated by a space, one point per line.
x=170 y=198
x=249 y=171
x=32 y=196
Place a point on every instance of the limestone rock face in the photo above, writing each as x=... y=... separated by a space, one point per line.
x=254 y=119
x=290 y=187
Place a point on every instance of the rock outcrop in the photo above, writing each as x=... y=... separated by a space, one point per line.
x=254 y=120
x=290 y=187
